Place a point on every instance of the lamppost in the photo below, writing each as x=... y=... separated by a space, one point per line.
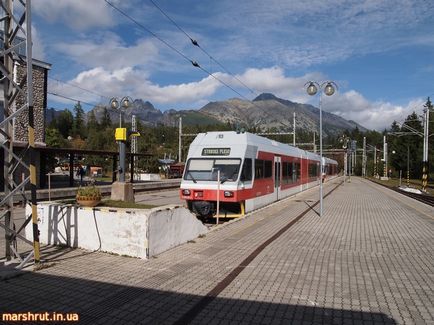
x=328 y=87
x=344 y=140
x=121 y=133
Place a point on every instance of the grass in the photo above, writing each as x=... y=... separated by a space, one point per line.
x=125 y=205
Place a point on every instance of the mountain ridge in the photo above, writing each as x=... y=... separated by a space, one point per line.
x=265 y=111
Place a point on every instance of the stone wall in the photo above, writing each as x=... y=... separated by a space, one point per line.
x=39 y=98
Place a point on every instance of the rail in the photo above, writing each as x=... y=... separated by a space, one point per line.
x=424 y=198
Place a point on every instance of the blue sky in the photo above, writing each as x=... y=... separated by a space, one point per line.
x=380 y=53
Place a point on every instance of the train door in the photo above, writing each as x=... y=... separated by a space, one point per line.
x=277 y=177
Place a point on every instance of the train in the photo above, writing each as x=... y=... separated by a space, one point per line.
x=245 y=171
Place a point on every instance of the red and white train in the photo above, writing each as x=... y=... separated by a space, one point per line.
x=254 y=171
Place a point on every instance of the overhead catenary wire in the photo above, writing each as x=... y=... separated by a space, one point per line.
x=196 y=43
x=72 y=99
x=78 y=87
x=193 y=62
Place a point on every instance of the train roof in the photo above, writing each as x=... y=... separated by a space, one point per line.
x=232 y=139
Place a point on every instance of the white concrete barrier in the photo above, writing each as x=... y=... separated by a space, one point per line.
x=149 y=177
x=133 y=232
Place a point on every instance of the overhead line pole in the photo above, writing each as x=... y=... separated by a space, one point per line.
x=428 y=106
x=17 y=91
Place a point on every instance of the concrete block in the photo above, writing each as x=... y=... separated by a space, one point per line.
x=122 y=191
x=172 y=226
x=133 y=232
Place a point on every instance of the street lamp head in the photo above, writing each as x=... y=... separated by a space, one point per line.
x=114 y=103
x=312 y=88
x=329 y=89
x=125 y=102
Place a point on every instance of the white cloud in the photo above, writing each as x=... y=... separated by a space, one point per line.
x=135 y=83
x=77 y=14
x=109 y=52
x=273 y=80
x=377 y=115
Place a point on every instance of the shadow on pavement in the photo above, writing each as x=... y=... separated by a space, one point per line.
x=105 y=303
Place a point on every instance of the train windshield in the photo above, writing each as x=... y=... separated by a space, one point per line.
x=206 y=169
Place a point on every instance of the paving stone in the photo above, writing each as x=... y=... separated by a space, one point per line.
x=369 y=259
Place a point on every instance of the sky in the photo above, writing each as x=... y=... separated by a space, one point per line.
x=380 y=53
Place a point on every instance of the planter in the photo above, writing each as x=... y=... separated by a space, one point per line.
x=88 y=201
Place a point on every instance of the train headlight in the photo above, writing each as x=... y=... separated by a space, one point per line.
x=229 y=194
x=186 y=192
x=198 y=194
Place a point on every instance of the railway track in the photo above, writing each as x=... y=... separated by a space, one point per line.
x=425 y=198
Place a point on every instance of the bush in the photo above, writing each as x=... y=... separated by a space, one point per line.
x=89 y=191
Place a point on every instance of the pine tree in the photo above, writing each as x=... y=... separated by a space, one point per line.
x=106 y=120
x=78 y=120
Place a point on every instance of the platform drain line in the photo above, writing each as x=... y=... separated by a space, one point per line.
x=191 y=314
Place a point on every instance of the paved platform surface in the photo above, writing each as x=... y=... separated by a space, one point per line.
x=368 y=260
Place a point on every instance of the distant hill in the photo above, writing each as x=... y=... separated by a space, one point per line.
x=265 y=111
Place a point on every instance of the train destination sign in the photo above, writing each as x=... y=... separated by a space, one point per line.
x=216 y=151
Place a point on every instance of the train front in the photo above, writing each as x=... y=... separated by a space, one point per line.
x=212 y=173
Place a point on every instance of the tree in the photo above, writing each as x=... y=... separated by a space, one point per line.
x=106 y=120
x=53 y=138
x=78 y=129
x=92 y=123
x=65 y=123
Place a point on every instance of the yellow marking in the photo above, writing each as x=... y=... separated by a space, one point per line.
x=37 y=248
x=31 y=136
x=33 y=174
x=243 y=210
x=34 y=213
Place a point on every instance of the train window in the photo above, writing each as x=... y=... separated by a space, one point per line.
x=287 y=173
x=206 y=169
x=246 y=173
x=313 y=170
x=297 y=172
x=284 y=172
x=259 y=168
x=268 y=170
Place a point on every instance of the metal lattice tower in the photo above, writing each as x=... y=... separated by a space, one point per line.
x=16 y=18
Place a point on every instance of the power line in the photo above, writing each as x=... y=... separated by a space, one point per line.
x=79 y=87
x=72 y=99
x=150 y=32
x=196 y=43
x=194 y=63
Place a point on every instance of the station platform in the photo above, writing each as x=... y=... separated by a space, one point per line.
x=367 y=260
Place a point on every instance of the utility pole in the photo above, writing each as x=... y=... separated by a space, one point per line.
x=180 y=141
x=293 y=138
x=375 y=162
x=385 y=158
x=427 y=106
x=133 y=144
x=364 y=158
x=314 y=143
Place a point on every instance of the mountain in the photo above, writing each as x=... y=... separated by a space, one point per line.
x=268 y=111
x=144 y=111
x=265 y=111
x=51 y=114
